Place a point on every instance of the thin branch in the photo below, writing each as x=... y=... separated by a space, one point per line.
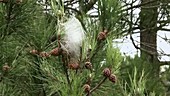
x=73 y=9
x=97 y=86
x=70 y=2
x=162 y=63
x=164 y=29
x=164 y=21
x=65 y=62
x=150 y=52
x=90 y=5
x=137 y=6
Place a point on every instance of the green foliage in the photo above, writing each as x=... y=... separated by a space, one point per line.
x=108 y=13
x=113 y=57
x=23 y=28
x=26 y=26
x=137 y=76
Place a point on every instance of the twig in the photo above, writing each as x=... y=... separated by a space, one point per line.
x=66 y=3
x=90 y=5
x=73 y=9
x=137 y=6
x=65 y=69
x=97 y=86
x=130 y=29
x=46 y=6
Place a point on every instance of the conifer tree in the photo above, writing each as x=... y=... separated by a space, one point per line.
x=37 y=48
x=65 y=48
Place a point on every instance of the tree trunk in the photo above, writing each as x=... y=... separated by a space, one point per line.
x=148 y=34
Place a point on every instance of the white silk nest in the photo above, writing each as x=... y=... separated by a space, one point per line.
x=73 y=38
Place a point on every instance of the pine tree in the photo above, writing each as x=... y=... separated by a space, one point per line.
x=33 y=60
x=42 y=56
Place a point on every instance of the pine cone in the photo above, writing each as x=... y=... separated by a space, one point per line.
x=88 y=65
x=44 y=54
x=73 y=66
x=34 y=52
x=102 y=35
x=55 y=52
x=6 y=68
x=112 y=78
x=107 y=72
x=86 y=88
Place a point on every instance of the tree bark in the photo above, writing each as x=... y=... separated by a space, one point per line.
x=148 y=35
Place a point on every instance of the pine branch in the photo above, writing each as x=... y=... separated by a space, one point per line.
x=65 y=62
x=77 y=11
x=164 y=29
x=90 y=5
x=137 y=6
x=85 y=6
x=99 y=84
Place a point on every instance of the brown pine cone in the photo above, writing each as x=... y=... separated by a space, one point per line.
x=102 y=35
x=112 y=78
x=88 y=65
x=5 y=68
x=44 y=54
x=55 y=52
x=86 y=88
x=73 y=66
x=34 y=52
x=107 y=72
